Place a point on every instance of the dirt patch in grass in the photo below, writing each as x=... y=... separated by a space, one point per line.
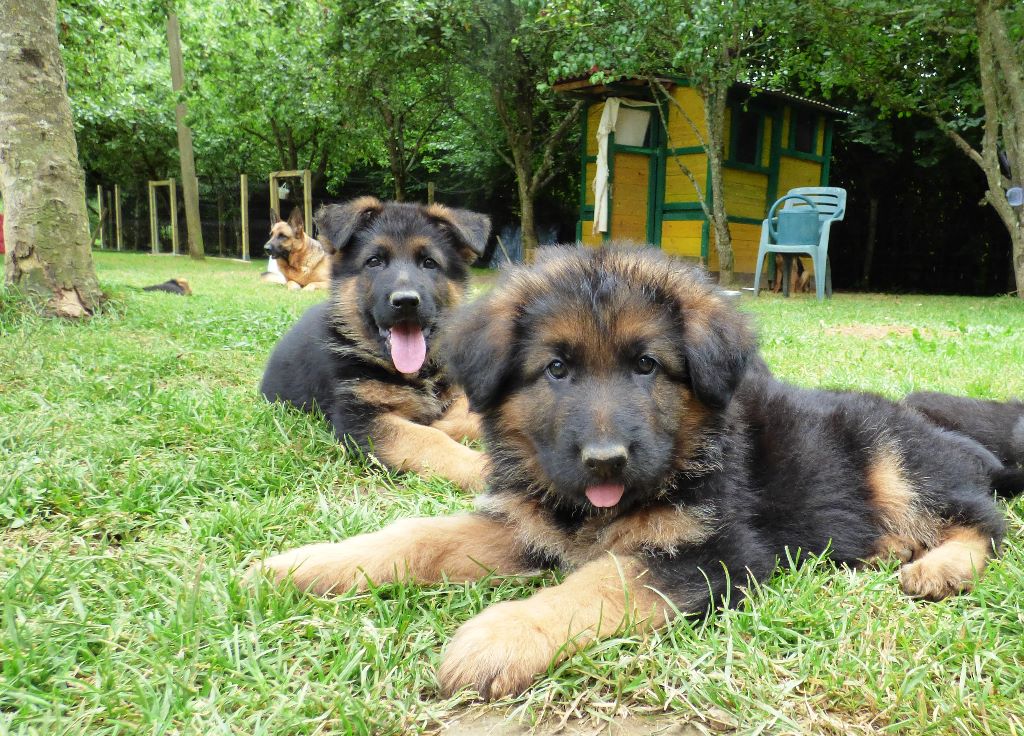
x=493 y=724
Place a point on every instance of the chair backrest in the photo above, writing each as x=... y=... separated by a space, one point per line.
x=830 y=201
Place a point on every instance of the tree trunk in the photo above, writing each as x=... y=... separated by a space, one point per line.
x=869 y=244
x=220 y=223
x=1002 y=89
x=189 y=184
x=46 y=224
x=714 y=116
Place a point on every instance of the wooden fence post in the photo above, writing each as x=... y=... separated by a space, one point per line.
x=117 y=216
x=245 y=217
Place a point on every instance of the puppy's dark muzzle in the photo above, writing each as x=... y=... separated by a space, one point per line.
x=274 y=252
x=606 y=460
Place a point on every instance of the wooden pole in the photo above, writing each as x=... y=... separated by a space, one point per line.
x=99 y=211
x=430 y=192
x=307 y=197
x=174 y=216
x=245 y=217
x=275 y=200
x=189 y=183
x=153 y=241
x=109 y=214
x=117 y=216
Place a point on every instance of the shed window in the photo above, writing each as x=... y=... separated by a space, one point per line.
x=747 y=137
x=805 y=131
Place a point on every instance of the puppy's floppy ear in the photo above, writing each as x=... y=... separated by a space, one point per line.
x=339 y=222
x=469 y=229
x=478 y=346
x=719 y=348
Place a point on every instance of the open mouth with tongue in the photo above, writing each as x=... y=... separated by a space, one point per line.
x=407 y=345
x=605 y=495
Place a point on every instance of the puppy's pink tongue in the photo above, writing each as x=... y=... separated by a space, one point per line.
x=605 y=495
x=408 y=347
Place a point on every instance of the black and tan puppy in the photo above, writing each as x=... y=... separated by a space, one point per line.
x=180 y=287
x=998 y=426
x=366 y=358
x=303 y=262
x=638 y=442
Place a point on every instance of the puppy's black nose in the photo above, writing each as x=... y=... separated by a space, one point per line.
x=605 y=458
x=404 y=299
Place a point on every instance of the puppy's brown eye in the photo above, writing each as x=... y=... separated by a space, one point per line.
x=429 y=263
x=645 y=365
x=557 y=369
x=374 y=262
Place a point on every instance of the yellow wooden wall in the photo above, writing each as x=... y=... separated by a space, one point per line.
x=745 y=192
x=678 y=187
x=591 y=238
x=680 y=131
x=629 y=197
x=745 y=239
x=681 y=237
x=796 y=172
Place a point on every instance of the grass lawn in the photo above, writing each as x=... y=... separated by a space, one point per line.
x=142 y=472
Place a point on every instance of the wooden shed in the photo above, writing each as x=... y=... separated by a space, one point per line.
x=774 y=142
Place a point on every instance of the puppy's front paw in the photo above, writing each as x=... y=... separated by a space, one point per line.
x=499 y=652
x=934 y=579
x=323 y=569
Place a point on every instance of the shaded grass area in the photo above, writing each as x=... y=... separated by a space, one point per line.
x=142 y=472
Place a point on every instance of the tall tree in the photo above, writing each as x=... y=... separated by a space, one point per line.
x=46 y=226
x=712 y=44
x=511 y=46
x=189 y=183
x=959 y=62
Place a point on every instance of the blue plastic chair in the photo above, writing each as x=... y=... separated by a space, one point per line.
x=802 y=226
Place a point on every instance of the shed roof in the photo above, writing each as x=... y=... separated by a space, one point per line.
x=636 y=87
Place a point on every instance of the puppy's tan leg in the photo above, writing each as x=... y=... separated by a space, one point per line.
x=314 y=285
x=951 y=567
x=405 y=445
x=294 y=285
x=459 y=422
x=461 y=548
x=500 y=651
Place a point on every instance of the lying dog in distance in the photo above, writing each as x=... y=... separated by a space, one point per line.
x=638 y=442
x=172 y=286
x=799 y=278
x=367 y=357
x=303 y=262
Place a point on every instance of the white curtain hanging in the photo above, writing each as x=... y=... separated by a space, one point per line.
x=609 y=121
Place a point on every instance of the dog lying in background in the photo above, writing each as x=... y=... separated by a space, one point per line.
x=172 y=286
x=303 y=262
x=638 y=442
x=799 y=277
x=366 y=357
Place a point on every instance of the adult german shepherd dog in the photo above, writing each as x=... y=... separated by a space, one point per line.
x=304 y=262
x=366 y=358
x=639 y=443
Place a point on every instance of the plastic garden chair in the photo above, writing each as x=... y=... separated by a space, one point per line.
x=802 y=225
